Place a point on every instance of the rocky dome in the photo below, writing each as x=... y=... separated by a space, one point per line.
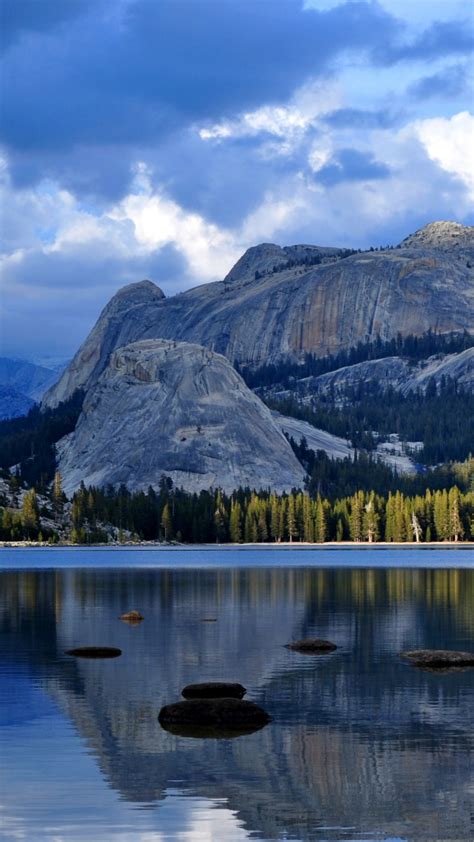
x=180 y=410
x=442 y=234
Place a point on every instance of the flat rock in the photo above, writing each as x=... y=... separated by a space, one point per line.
x=214 y=690
x=222 y=714
x=439 y=658
x=312 y=646
x=94 y=652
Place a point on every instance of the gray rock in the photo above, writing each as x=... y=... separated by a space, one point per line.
x=94 y=652
x=312 y=646
x=228 y=714
x=214 y=690
x=298 y=309
x=175 y=409
x=438 y=658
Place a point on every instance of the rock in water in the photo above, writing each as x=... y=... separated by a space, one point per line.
x=176 y=409
x=438 y=658
x=312 y=646
x=132 y=617
x=94 y=652
x=280 y=303
x=214 y=690
x=222 y=714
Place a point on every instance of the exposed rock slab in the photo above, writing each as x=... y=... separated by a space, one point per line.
x=175 y=409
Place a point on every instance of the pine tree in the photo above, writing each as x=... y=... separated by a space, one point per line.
x=166 y=522
x=370 y=521
x=235 y=523
x=30 y=513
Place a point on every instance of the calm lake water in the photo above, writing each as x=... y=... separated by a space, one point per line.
x=361 y=746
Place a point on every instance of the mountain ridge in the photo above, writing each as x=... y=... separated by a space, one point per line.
x=256 y=318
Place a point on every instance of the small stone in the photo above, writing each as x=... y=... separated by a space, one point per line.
x=132 y=617
x=94 y=652
x=214 y=690
x=439 y=659
x=312 y=646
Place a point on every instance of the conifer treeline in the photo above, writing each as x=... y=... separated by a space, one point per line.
x=211 y=516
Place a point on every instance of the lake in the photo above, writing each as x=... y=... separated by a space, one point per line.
x=361 y=746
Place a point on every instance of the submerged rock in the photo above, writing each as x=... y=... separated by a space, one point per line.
x=209 y=732
x=438 y=659
x=312 y=646
x=214 y=690
x=132 y=617
x=94 y=652
x=222 y=715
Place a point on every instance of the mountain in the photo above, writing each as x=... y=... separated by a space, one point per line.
x=397 y=373
x=26 y=378
x=180 y=410
x=22 y=384
x=13 y=403
x=278 y=304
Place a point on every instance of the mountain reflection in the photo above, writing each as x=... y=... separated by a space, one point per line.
x=359 y=740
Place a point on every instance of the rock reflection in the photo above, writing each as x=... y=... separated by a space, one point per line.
x=357 y=739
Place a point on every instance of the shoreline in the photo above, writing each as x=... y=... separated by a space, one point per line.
x=282 y=545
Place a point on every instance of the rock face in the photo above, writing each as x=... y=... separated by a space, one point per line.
x=176 y=409
x=446 y=235
x=273 y=305
x=121 y=322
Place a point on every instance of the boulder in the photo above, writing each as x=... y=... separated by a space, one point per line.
x=224 y=715
x=312 y=646
x=438 y=659
x=214 y=690
x=94 y=652
x=132 y=617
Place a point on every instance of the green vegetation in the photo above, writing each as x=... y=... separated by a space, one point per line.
x=29 y=441
x=443 y=418
x=211 y=516
x=413 y=348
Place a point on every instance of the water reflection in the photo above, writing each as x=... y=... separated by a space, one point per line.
x=361 y=745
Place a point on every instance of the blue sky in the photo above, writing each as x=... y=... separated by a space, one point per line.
x=160 y=138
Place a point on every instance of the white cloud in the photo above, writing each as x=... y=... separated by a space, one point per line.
x=286 y=123
x=450 y=143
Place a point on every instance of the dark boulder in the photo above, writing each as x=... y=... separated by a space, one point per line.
x=214 y=690
x=438 y=659
x=94 y=652
x=222 y=715
x=312 y=646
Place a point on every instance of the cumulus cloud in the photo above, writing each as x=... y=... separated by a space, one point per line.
x=451 y=144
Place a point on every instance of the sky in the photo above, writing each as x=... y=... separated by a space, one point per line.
x=161 y=138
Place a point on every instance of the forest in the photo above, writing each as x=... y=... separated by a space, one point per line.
x=170 y=514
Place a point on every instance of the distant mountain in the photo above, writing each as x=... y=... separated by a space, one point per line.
x=22 y=384
x=278 y=304
x=27 y=378
x=13 y=403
